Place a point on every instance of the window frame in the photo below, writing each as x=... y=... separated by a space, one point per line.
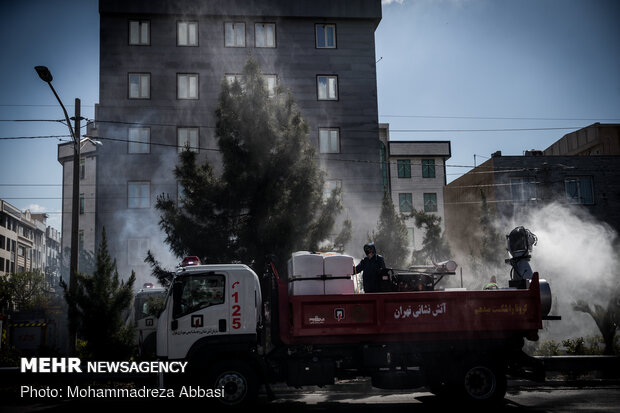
x=189 y=23
x=327 y=87
x=430 y=198
x=266 y=24
x=189 y=77
x=181 y=148
x=403 y=168
x=140 y=40
x=426 y=164
x=526 y=186
x=140 y=75
x=403 y=197
x=579 y=200
x=131 y=142
x=316 y=35
x=329 y=146
x=234 y=24
x=140 y=205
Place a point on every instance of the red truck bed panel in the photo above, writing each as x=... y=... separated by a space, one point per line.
x=430 y=315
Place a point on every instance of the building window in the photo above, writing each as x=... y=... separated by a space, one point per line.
x=404 y=168
x=180 y=192
x=82 y=168
x=81 y=204
x=411 y=236
x=234 y=34
x=139 y=86
x=430 y=202
x=139 y=32
x=405 y=203
x=187 y=139
x=327 y=87
x=329 y=140
x=81 y=239
x=523 y=189
x=325 y=36
x=187 y=86
x=265 y=35
x=329 y=186
x=579 y=190
x=271 y=81
x=232 y=78
x=139 y=140
x=187 y=33
x=136 y=250
x=428 y=168
x=139 y=194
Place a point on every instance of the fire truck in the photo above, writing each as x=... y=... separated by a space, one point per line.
x=145 y=319
x=309 y=325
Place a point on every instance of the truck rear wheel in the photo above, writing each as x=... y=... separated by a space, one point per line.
x=237 y=379
x=483 y=382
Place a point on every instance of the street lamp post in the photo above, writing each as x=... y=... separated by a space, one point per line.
x=46 y=76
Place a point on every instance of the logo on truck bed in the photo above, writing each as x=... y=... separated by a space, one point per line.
x=339 y=314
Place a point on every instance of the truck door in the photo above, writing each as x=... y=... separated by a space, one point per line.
x=199 y=310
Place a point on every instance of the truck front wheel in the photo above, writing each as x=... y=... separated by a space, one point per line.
x=237 y=380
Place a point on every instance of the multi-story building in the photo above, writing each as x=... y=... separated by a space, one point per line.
x=596 y=139
x=161 y=67
x=23 y=240
x=415 y=175
x=87 y=191
x=516 y=185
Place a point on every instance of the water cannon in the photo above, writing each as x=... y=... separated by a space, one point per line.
x=520 y=242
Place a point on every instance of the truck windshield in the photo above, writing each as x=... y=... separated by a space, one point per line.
x=200 y=291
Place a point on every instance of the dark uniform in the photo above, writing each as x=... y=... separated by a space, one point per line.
x=371 y=266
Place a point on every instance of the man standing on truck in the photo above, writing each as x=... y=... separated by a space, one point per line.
x=371 y=265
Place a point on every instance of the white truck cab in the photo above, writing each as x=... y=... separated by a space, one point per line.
x=207 y=303
x=145 y=318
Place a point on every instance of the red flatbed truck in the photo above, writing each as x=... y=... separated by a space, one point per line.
x=454 y=342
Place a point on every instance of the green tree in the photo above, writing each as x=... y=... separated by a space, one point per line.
x=390 y=236
x=268 y=198
x=435 y=247
x=607 y=319
x=492 y=244
x=22 y=290
x=101 y=300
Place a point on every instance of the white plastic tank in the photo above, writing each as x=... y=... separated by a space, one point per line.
x=305 y=272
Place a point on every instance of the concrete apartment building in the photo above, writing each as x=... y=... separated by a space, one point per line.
x=415 y=175
x=514 y=185
x=87 y=192
x=26 y=242
x=161 y=67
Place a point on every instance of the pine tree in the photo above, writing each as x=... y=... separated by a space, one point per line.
x=435 y=247
x=391 y=235
x=101 y=301
x=268 y=199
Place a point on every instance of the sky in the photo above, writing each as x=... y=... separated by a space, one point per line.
x=487 y=75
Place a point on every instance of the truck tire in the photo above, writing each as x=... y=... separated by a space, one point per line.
x=238 y=379
x=482 y=382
